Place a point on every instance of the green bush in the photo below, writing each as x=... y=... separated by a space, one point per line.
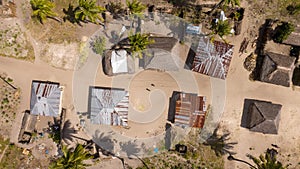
x=98 y=45
x=283 y=31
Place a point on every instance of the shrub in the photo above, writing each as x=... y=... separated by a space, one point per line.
x=283 y=31
x=250 y=62
x=98 y=45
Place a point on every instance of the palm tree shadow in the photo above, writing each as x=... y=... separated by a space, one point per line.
x=68 y=132
x=220 y=144
x=70 y=15
x=104 y=142
x=130 y=148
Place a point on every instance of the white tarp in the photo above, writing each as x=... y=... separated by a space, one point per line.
x=119 y=61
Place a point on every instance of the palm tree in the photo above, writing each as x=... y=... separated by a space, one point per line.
x=42 y=9
x=139 y=42
x=135 y=7
x=268 y=161
x=71 y=159
x=233 y=3
x=88 y=11
x=222 y=28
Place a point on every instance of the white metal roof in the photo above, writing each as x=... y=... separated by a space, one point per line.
x=119 y=61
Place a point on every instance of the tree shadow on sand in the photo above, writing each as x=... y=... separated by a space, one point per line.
x=68 y=132
x=130 y=148
x=70 y=15
x=104 y=142
x=220 y=144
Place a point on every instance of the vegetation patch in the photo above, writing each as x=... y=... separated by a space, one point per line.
x=9 y=102
x=14 y=158
x=283 y=31
x=14 y=42
x=197 y=156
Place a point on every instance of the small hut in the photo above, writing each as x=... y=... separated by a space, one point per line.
x=187 y=110
x=158 y=55
x=261 y=116
x=45 y=98
x=108 y=106
x=212 y=59
x=277 y=69
x=117 y=62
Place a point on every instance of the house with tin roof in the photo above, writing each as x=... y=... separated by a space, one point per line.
x=187 y=110
x=211 y=58
x=108 y=106
x=46 y=98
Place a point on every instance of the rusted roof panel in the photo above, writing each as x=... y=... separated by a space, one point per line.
x=212 y=59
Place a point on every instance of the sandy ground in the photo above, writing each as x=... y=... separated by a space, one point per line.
x=238 y=87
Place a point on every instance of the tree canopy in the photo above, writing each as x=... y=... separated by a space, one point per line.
x=139 y=42
x=267 y=161
x=42 y=9
x=283 y=31
x=221 y=28
x=71 y=159
x=87 y=10
x=135 y=7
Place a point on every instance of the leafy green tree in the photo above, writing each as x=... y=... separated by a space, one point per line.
x=42 y=9
x=135 y=7
x=233 y=3
x=267 y=161
x=71 y=159
x=139 y=42
x=116 y=9
x=283 y=31
x=221 y=28
x=88 y=11
x=293 y=9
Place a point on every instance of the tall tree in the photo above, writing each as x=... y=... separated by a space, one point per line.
x=135 y=7
x=71 y=159
x=88 y=11
x=42 y=9
x=233 y=3
x=267 y=161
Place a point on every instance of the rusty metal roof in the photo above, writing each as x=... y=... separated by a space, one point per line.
x=190 y=110
x=212 y=58
x=108 y=106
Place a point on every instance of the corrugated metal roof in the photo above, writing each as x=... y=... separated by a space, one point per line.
x=212 y=59
x=45 y=98
x=108 y=106
x=190 y=109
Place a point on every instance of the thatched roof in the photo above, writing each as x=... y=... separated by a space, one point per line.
x=277 y=69
x=159 y=59
x=164 y=43
x=263 y=116
x=159 y=54
x=294 y=37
